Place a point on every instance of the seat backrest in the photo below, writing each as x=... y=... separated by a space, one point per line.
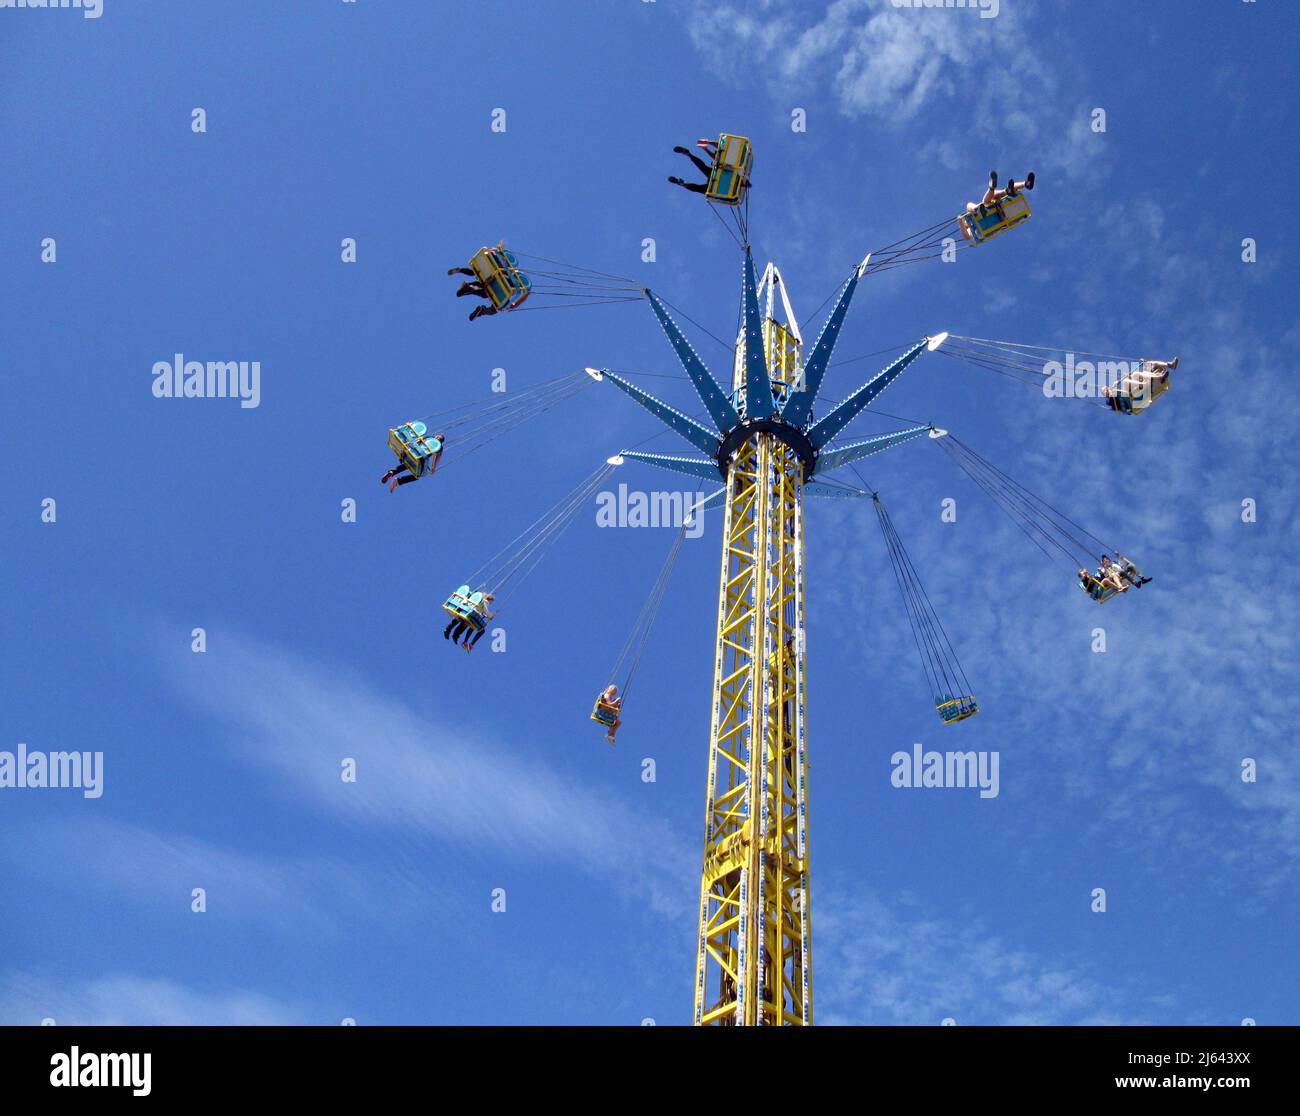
x=732 y=150
x=481 y=265
x=1015 y=208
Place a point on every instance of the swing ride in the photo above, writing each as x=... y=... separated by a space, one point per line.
x=763 y=442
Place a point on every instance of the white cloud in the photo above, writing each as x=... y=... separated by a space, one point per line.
x=125 y=1000
x=160 y=870
x=882 y=61
x=418 y=774
x=898 y=965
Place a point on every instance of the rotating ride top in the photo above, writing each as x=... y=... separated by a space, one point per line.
x=765 y=442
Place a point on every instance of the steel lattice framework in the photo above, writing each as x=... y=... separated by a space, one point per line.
x=754 y=955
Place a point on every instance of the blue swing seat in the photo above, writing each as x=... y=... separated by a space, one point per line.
x=1002 y=215
x=953 y=709
x=466 y=606
x=497 y=269
x=414 y=448
x=729 y=175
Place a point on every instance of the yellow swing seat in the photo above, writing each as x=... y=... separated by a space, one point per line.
x=497 y=269
x=729 y=176
x=1127 y=403
x=1103 y=593
x=1002 y=215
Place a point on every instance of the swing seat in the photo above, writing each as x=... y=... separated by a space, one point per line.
x=1127 y=404
x=1002 y=215
x=951 y=709
x=497 y=269
x=604 y=713
x=729 y=176
x=467 y=606
x=1103 y=593
x=1098 y=592
x=414 y=448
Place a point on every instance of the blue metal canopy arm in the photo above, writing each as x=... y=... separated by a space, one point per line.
x=711 y=395
x=854 y=405
x=701 y=437
x=833 y=491
x=856 y=451
x=800 y=403
x=694 y=466
x=758 y=387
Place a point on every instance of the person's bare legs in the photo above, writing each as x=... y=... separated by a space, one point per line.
x=704 y=167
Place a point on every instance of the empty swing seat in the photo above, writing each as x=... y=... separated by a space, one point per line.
x=414 y=448
x=498 y=271
x=729 y=176
x=1002 y=215
x=951 y=709
x=605 y=713
x=466 y=606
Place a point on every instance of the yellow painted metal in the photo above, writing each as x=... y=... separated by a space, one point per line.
x=784 y=358
x=753 y=962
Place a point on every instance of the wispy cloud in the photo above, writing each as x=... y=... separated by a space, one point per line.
x=881 y=61
x=129 y=1000
x=148 y=872
x=898 y=965
x=298 y=720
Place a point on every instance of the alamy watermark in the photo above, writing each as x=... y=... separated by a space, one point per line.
x=25 y=769
x=919 y=768
x=988 y=9
x=1085 y=379
x=634 y=508
x=90 y=9
x=217 y=379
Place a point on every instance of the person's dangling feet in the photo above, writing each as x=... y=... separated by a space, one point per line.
x=477 y=312
x=676 y=181
x=993 y=180
x=681 y=150
x=1029 y=182
x=1173 y=365
x=387 y=476
x=465 y=288
x=393 y=486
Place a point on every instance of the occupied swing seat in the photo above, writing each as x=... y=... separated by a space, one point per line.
x=1103 y=593
x=497 y=269
x=467 y=606
x=729 y=176
x=605 y=713
x=953 y=709
x=1127 y=402
x=414 y=448
x=997 y=218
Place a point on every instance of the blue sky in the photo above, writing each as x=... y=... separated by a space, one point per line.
x=372 y=900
